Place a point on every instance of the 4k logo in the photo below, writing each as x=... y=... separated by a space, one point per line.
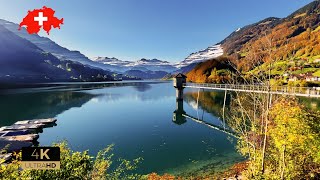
x=41 y=158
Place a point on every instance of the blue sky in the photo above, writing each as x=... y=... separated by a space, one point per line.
x=133 y=29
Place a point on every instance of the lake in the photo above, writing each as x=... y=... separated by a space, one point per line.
x=137 y=117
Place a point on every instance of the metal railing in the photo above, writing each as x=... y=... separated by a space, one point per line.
x=285 y=90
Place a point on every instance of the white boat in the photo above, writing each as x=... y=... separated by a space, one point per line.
x=37 y=121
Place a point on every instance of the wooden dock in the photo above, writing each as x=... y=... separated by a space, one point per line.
x=21 y=134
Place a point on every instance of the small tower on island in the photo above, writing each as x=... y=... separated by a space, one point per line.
x=178 y=82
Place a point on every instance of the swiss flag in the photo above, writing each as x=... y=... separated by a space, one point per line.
x=41 y=18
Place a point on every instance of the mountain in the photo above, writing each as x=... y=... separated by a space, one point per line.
x=290 y=46
x=203 y=55
x=233 y=43
x=111 y=61
x=50 y=46
x=153 y=65
x=142 y=64
x=24 y=62
x=212 y=71
x=143 y=68
x=22 y=59
x=293 y=39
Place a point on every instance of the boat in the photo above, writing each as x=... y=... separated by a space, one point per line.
x=5 y=157
x=37 y=121
x=14 y=133
x=22 y=127
x=28 y=137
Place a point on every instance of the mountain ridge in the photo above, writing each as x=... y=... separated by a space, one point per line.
x=291 y=44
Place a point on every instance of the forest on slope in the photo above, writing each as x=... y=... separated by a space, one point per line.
x=288 y=47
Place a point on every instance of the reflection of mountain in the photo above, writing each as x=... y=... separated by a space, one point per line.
x=146 y=74
x=144 y=91
x=38 y=105
x=210 y=101
x=142 y=87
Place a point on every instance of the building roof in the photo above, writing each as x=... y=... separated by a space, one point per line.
x=180 y=75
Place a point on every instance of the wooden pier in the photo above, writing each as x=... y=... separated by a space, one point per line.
x=21 y=134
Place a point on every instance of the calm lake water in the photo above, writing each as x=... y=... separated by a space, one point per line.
x=137 y=117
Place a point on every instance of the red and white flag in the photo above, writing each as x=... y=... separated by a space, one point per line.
x=40 y=18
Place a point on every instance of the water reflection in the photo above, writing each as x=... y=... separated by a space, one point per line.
x=142 y=87
x=209 y=101
x=16 y=107
x=138 y=120
x=180 y=117
x=47 y=102
x=178 y=114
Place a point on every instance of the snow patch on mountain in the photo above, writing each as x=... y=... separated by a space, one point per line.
x=142 y=64
x=111 y=61
x=149 y=62
x=203 y=55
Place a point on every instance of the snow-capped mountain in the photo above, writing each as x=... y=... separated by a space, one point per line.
x=150 y=62
x=142 y=64
x=112 y=64
x=111 y=61
x=152 y=65
x=203 y=55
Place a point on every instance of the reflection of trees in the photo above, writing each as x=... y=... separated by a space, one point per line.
x=140 y=86
x=210 y=101
x=16 y=107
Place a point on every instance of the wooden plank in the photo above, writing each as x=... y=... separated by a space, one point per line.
x=37 y=121
x=22 y=127
x=28 y=137
x=13 y=146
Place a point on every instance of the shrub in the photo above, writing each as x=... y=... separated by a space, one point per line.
x=75 y=165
